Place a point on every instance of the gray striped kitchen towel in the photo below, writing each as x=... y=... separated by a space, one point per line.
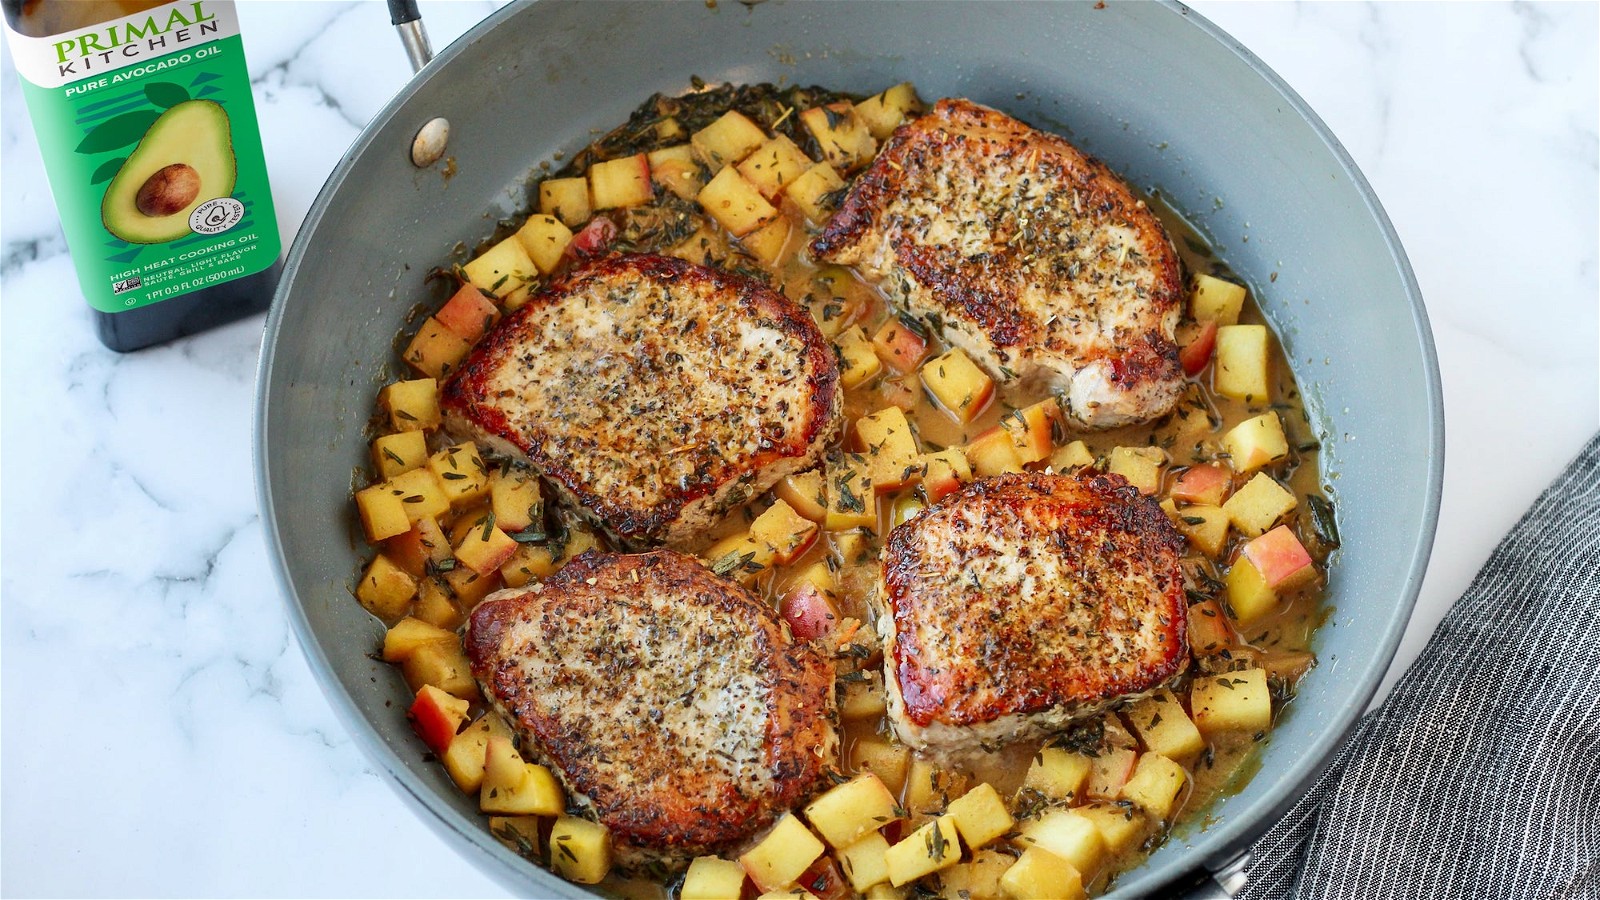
x=1480 y=774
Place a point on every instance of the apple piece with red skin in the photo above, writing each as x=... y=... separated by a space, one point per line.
x=468 y=314
x=1196 y=355
x=810 y=612
x=1281 y=559
x=1203 y=484
x=825 y=881
x=899 y=345
x=592 y=239
x=436 y=717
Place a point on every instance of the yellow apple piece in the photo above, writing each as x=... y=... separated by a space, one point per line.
x=900 y=345
x=862 y=698
x=567 y=199
x=1156 y=783
x=399 y=452
x=788 y=533
x=865 y=862
x=1256 y=442
x=844 y=138
x=1032 y=430
x=1204 y=484
x=712 y=878
x=1215 y=300
x=515 y=787
x=852 y=499
x=740 y=557
x=466 y=753
x=1120 y=825
x=383 y=511
x=1140 y=465
x=886 y=111
x=1281 y=559
x=504 y=272
x=443 y=665
x=1163 y=727
x=804 y=493
x=855 y=546
x=728 y=140
x=435 y=605
x=735 y=203
x=1058 y=774
x=888 y=761
x=461 y=473
x=485 y=548
x=848 y=811
x=814 y=191
x=783 y=855
x=980 y=815
x=676 y=169
x=944 y=473
x=1074 y=455
x=858 y=362
x=1206 y=527
x=620 y=183
x=385 y=589
x=1243 y=363
x=767 y=242
x=1232 y=701
x=435 y=350
x=406 y=636
x=958 y=384
x=1109 y=771
x=993 y=453
x=580 y=850
x=1068 y=835
x=886 y=439
x=978 y=879
x=1041 y=875
x=516 y=499
x=412 y=405
x=934 y=846
x=1209 y=631
x=774 y=166
x=1258 y=506
x=545 y=238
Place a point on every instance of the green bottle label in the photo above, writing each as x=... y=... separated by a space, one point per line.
x=149 y=137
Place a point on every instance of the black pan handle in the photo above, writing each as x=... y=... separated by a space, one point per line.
x=407 y=20
x=1224 y=883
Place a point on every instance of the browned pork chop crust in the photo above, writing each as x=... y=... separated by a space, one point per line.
x=1022 y=602
x=653 y=393
x=670 y=702
x=1032 y=257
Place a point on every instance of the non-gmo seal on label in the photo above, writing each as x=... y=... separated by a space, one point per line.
x=216 y=216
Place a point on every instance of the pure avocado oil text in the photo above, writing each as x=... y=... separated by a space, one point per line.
x=149 y=136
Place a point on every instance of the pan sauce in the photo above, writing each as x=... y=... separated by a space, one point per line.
x=1278 y=641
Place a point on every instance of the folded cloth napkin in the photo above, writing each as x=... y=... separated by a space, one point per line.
x=1480 y=774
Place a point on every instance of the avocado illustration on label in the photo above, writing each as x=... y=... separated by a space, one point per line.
x=184 y=159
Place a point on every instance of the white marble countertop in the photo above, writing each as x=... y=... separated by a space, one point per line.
x=162 y=734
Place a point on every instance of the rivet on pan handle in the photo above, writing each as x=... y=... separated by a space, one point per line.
x=431 y=139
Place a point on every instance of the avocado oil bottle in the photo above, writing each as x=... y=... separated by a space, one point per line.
x=149 y=137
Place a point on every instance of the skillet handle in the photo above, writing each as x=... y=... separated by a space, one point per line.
x=1223 y=884
x=407 y=20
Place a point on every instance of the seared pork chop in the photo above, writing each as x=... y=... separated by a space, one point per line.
x=670 y=702
x=654 y=394
x=1022 y=602
x=1032 y=257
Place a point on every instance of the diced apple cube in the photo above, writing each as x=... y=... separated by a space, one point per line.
x=1058 y=774
x=727 y=140
x=412 y=405
x=814 y=192
x=1232 y=701
x=1281 y=559
x=885 y=112
x=1215 y=300
x=774 y=166
x=886 y=891
x=1140 y=465
x=712 y=878
x=516 y=499
x=980 y=815
x=886 y=439
x=1032 y=430
x=470 y=587
x=386 y=589
x=1243 y=361
x=1258 y=506
x=735 y=203
x=858 y=363
x=545 y=237
x=443 y=665
x=620 y=183
x=862 y=698
x=903 y=510
x=1209 y=631
x=854 y=546
x=504 y=272
x=1075 y=455
x=1156 y=783
x=1068 y=835
x=461 y=473
x=1256 y=442
x=848 y=811
x=1249 y=597
x=1163 y=727
x=976 y=880
x=844 y=138
x=1109 y=771
x=1206 y=527
x=788 y=533
x=383 y=511
x=515 y=787
x=929 y=787
x=958 y=384
x=899 y=345
x=1120 y=826
x=675 y=169
x=888 y=761
x=580 y=850
x=567 y=199
x=485 y=548
x=436 y=716
x=1196 y=354
x=464 y=756
x=944 y=473
x=530 y=562
x=993 y=453
x=803 y=492
x=766 y=243
x=852 y=499
x=420 y=493
x=865 y=862
x=520 y=834
x=399 y=452
x=740 y=557
x=408 y=635
x=1204 y=484
x=934 y=846
x=1041 y=875
x=468 y=313
x=783 y=855
x=435 y=605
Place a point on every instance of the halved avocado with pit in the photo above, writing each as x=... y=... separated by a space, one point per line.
x=184 y=159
